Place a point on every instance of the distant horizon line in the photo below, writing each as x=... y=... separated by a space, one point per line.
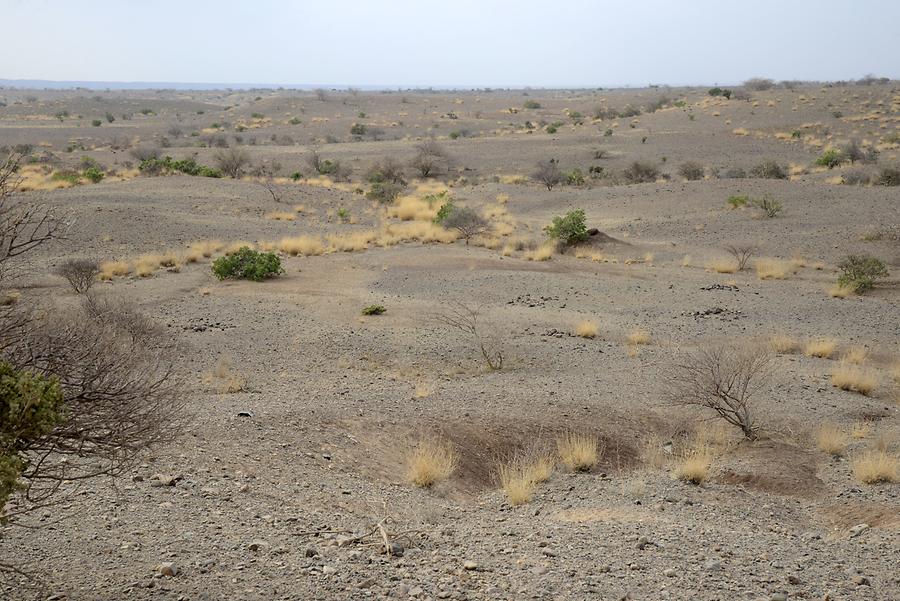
x=53 y=84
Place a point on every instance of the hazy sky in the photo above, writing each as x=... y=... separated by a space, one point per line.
x=471 y=43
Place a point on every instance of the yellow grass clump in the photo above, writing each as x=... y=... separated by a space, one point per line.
x=281 y=216
x=516 y=478
x=861 y=429
x=224 y=378
x=639 y=336
x=237 y=245
x=411 y=208
x=111 y=269
x=541 y=253
x=856 y=355
x=772 y=269
x=352 y=241
x=740 y=131
x=784 y=344
x=586 y=329
x=424 y=231
x=831 y=439
x=686 y=261
x=578 y=452
x=429 y=462
x=839 y=291
x=723 y=266
x=874 y=466
x=847 y=376
x=822 y=348
x=206 y=248
x=693 y=467
x=301 y=245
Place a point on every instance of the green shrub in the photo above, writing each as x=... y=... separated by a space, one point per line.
x=574 y=177
x=738 y=201
x=358 y=129
x=444 y=212
x=93 y=174
x=532 y=104
x=96 y=122
x=552 y=129
x=860 y=272
x=294 y=121
x=717 y=91
x=31 y=406
x=374 y=310
x=831 y=158
x=343 y=214
x=247 y=264
x=641 y=173
x=569 y=229
x=66 y=175
x=691 y=171
x=189 y=166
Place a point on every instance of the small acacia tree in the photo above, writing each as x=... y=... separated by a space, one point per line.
x=80 y=273
x=464 y=220
x=430 y=159
x=861 y=272
x=548 y=173
x=466 y=319
x=232 y=162
x=722 y=378
x=569 y=229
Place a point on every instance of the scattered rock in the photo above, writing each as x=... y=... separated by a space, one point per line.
x=669 y=573
x=858 y=529
x=470 y=565
x=167 y=569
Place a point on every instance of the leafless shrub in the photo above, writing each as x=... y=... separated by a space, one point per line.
x=386 y=170
x=321 y=94
x=464 y=318
x=121 y=389
x=691 y=171
x=80 y=273
x=430 y=159
x=466 y=221
x=759 y=84
x=548 y=173
x=232 y=162
x=856 y=177
x=145 y=153
x=640 y=173
x=723 y=378
x=742 y=252
x=24 y=223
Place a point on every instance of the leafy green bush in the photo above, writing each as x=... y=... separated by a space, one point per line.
x=66 y=175
x=551 y=129
x=737 y=201
x=444 y=212
x=96 y=122
x=574 y=177
x=31 y=406
x=374 y=310
x=532 y=104
x=247 y=264
x=569 y=229
x=717 y=91
x=295 y=121
x=189 y=166
x=358 y=129
x=860 y=272
x=93 y=174
x=831 y=158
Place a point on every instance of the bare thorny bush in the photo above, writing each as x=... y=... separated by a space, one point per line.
x=742 y=252
x=724 y=378
x=115 y=369
x=464 y=318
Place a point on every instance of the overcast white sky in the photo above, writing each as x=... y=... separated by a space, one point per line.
x=467 y=43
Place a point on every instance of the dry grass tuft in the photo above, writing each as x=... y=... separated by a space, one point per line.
x=111 y=269
x=429 y=462
x=822 y=348
x=723 y=266
x=301 y=245
x=206 y=248
x=784 y=344
x=224 y=378
x=352 y=241
x=578 y=452
x=639 y=337
x=237 y=245
x=832 y=440
x=693 y=467
x=541 y=253
x=856 y=355
x=847 y=376
x=772 y=269
x=861 y=429
x=874 y=466
x=410 y=208
x=838 y=291
x=587 y=329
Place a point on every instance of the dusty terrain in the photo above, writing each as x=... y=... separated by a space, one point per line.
x=283 y=502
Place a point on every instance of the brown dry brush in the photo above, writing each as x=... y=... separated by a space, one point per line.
x=724 y=378
x=121 y=389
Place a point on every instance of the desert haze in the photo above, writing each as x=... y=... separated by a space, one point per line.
x=337 y=343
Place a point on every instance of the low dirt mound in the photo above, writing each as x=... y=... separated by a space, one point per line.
x=775 y=467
